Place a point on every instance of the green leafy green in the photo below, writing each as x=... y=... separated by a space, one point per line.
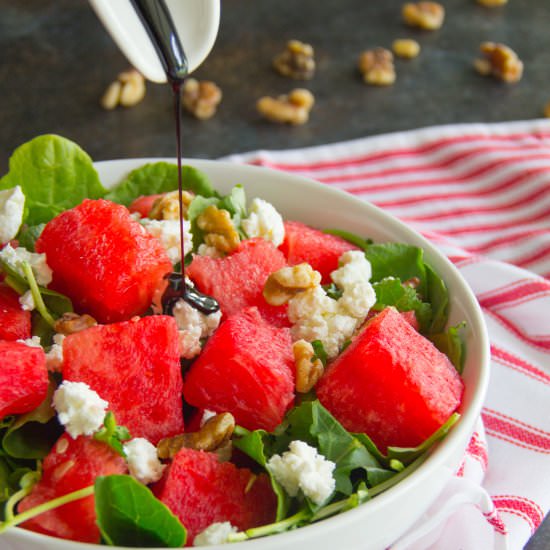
x=128 y=514
x=398 y=260
x=360 y=242
x=452 y=344
x=438 y=296
x=320 y=352
x=333 y=291
x=28 y=235
x=159 y=177
x=112 y=434
x=54 y=173
x=391 y=292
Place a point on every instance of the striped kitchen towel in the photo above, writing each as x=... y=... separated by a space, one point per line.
x=481 y=193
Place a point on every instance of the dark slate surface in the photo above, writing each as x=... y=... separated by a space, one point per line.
x=56 y=60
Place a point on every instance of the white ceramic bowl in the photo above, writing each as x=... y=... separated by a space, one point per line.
x=379 y=522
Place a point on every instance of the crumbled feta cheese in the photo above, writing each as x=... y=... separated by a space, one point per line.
x=14 y=257
x=79 y=408
x=216 y=533
x=54 y=357
x=210 y=251
x=27 y=301
x=168 y=233
x=316 y=316
x=143 y=462
x=33 y=342
x=264 y=221
x=193 y=326
x=12 y=204
x=302 y=467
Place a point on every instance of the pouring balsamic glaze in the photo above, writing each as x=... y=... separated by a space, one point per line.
x=158 y=23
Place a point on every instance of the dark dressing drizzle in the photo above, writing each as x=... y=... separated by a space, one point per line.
x=158 y=23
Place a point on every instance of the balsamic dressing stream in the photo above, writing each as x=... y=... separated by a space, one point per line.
x=158 y=23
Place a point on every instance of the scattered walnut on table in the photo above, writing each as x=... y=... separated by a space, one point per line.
x=167 y=207
x=285 y=283
x=201 y=98
x=500 y=61
x=425 y=15
x=492 y=3
x=128 y=90
x=376 y=66
x=406 y=48
x=309 y=369
x=219 y=229
x=293 y=108
x=296 y=61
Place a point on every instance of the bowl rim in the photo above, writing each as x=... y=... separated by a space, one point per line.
x=443 y=450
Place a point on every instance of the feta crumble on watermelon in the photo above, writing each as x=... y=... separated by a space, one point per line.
x=79 y=408
x=264 y=221
x=143 y=462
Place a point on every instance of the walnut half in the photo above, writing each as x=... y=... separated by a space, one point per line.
x=213 y=435
x=219 y=229
x=309 y=369
x=425 y=15
x=296 y=61
x=292 y=109
x=376 y=66
x=500 y=61
x=288 y=281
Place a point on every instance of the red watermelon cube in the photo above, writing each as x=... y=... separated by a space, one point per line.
x=246 y=368
x=143 y=204
x=71 y=465
x=391 y=383
x=135 y=366
x=103 y=260
x=15 y=324
x=237 y=281
x=200 y=491
x=23 y=378
x=320 y=250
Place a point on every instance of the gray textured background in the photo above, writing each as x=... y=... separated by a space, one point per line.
x=56 y=60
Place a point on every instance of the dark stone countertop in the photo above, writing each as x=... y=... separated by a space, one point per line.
x=56 y=60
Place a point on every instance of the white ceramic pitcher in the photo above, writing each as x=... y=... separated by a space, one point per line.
x=196 y=23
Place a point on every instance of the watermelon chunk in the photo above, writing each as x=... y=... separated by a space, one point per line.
x=71 y=465
x=23 y=378
x=237 y=281
x=103 y=260
x=305 y=244
x=143 y=204
x=15 y=323
x=391 y=383
x=200 y=490
x=135 y=366
x=246 y=368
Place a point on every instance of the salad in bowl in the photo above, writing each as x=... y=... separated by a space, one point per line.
x=304 y=366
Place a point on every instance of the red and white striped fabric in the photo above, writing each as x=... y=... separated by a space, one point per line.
x=482 y=194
